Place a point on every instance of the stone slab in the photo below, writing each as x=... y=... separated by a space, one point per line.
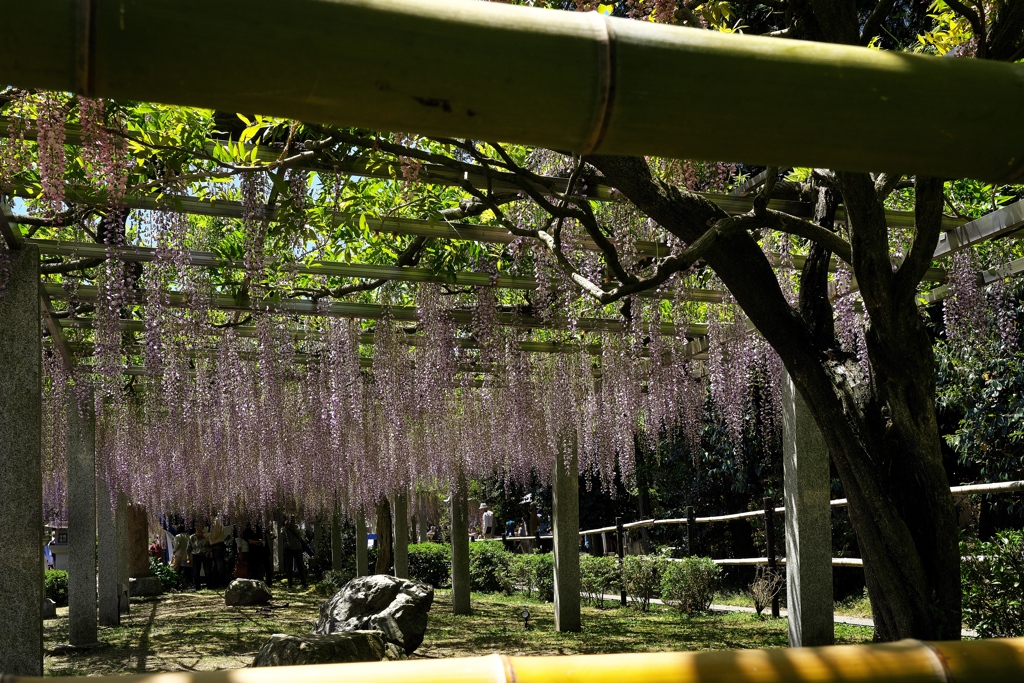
x=402 y=536
x=81 y=477
x=566 y=522
x=21 y=486
x=808 y=523
x=109 y=611
x=460 y=549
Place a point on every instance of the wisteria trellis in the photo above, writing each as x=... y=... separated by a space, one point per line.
x=302 y=415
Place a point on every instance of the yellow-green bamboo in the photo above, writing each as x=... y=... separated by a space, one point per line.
x=572 y=81
x=907 y=661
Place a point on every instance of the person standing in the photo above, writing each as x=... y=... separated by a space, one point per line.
x=199 y=549
x=242 y=553
x=219 y=553
x=487 y=521
x=293 y=552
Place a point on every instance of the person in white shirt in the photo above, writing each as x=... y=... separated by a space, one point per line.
x=487 y=521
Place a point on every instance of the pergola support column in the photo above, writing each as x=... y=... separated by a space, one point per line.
x=21 y=485
x=122 y=554
x=460 y=549
x=566 y=521
x=362 y=556
x=337 y=552
x=808 y=523
x=401 y=530
x=109 y=599
x=81 y=469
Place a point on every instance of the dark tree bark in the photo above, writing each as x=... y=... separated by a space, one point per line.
x=384 y=535
x=882 y=434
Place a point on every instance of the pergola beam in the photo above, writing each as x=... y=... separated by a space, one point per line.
x=610 y=86
x=1003 y=221
x=330 y=268
x=11 y=234
x=740 y=200
x=310 y=307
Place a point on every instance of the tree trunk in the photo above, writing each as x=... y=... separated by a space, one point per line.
x=384 y=534
x=882 y=434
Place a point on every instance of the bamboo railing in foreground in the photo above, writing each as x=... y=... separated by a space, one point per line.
x=480 y=70
x=907 y=661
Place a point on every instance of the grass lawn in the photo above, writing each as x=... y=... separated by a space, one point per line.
x=197 y=632
x=855 y=606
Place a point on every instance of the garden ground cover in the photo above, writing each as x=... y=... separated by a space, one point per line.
x=197 y=632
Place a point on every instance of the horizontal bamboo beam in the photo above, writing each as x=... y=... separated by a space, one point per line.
x=413 y=227
x=738 y=201
x=310 y=307
x=1003 y=221
x=907 y=661
x=369 y=271
x=995 y=487
x=611 y=86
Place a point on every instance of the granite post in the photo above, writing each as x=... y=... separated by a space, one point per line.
x=121 y=533
x=460 y=549
x=421 y=517
x=81 y=469
x=808 y=523
x=566 y=522
x=337 y=552
x=21 y=484
x=362 y=556
x=401 y=531
x=110 y=614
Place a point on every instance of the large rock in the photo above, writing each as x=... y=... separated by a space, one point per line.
x=353 y=646
x=395 y=607
x=247 y=592
x=145 y=585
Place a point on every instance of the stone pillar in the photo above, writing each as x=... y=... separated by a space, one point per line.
x=21 y=484
x=362 y=557
x=808 y=523
x=401 y=531
x=337 y=552
x=421 y=516
x=81 y=468
x=278 y=556
x=138 y=541
x=121 y=533
x=110 y=614
x=460 y=549
x=566 y=521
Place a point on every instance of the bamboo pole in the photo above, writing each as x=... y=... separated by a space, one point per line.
x=470 y=69
x=434 y=174
x=906 y=661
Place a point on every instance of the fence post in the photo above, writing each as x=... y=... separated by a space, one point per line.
x=620 y=548
x=691 y=532
x=769 y=537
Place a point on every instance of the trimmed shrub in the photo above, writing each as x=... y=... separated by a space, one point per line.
x=690 y=584
x=431 y=563
x=544 y=575
x=599 y=576
x=993 y=586
x=332 y=581
x=767 y=584
x=488 y=567
x=641 y=575
x=57 y=586
x=170 y=579
x=533 y=575
x=520 y=574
